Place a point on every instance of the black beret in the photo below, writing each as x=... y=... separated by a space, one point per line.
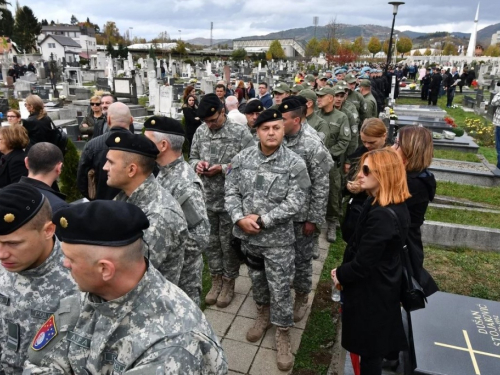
x=100 y=222
x=267 y=116
x=302 y=100
x=254 y=106
x=209 y=105
x=291 y=104
x=135 y=143
x=163 y=124
x=19 y=203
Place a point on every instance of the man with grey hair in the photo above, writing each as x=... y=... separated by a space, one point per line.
x=177 y=177
x=91 y=178
x=232 y=111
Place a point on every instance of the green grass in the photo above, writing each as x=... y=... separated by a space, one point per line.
x=88 y=84
x=465 y=272
x=490 y=153
x=456 y=155
x=465 y=217
x=472 y=193
x=143 y=100
x=314 y=354
x=206 y=283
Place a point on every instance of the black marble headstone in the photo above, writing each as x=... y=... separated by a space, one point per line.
x=457 y=335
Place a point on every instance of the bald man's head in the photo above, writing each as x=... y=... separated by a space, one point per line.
x=119 y=115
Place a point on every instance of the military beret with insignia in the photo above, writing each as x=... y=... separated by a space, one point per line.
x=254 y=106
x=289 y=104
x=101 y=223
x=135 y=143
x=267 y=116
x=365 y=83
x=281 y=88
x=209 y=105
x=163 y=124
x=325 y=91
x=308 y=95
x=301 y=100
x=19 y=203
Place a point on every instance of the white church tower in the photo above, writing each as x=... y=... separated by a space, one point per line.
x=471 y=51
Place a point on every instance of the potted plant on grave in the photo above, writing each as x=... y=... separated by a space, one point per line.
x=412 y=86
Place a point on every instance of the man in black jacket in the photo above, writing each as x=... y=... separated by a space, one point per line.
x=44 y=163
x=450 y=86
x=91 y=178
x=425 y=83
x=434 y=87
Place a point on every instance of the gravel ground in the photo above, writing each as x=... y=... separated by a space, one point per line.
x=477 y=167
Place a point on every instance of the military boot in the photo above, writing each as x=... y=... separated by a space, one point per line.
x=284 y=356
x=227 y=293
x=331 y=235
x=300 y=306
x=262 y=323
x=316 y=249
x=213 y=294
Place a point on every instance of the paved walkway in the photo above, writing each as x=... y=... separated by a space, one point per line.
x=232 y=323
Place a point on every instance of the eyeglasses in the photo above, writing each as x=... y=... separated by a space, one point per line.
x=95 y=104
x=366 y=170
x=11 y=116
x=214 y=121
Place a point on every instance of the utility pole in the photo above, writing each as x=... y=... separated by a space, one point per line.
x=315 y=23
x=211 y=33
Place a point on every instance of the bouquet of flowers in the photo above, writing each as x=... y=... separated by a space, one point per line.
x=412 y=86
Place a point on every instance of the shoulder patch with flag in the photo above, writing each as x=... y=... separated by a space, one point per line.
x=45 y=334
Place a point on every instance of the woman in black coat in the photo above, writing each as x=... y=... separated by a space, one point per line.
x=38 y=124
x=371 y=272
x=13 y=140
x=414 y=146
x=191 y=118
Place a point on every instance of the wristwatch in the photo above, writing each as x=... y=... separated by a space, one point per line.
x=259 y=222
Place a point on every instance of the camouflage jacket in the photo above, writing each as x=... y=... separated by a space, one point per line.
x=167 y=232
x=218 y=147
x=184 y=184
x=27 y=299
x=318 y=162
x=274 y=187
x=339 y=135
x=153 y=329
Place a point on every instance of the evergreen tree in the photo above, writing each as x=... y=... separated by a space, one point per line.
x=110 y=50
x=45 y=23
x=74 y=20
x=276 y=50
x=69 y=172
x=26 y=29
x=6 y=23
x=239 y=54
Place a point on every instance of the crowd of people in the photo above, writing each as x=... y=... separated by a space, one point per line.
x=262 y=176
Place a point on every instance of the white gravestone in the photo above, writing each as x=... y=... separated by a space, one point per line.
x=164 y=101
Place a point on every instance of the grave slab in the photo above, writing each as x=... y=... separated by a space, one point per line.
x=420 y=110
x=467 y=344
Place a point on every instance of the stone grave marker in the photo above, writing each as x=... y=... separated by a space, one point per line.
x=165 y=100
x=456 y=335
x=42 y=92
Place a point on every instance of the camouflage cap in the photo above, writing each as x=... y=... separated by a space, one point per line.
x=165 y=125
x=325 y=91
x=101 y=222
x=281 y=88
x=19 y=203
x=308 y=94
x=134 y=143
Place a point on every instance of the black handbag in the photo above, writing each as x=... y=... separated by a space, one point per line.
x=58 y=137
x=412 y=294
x=252 y=261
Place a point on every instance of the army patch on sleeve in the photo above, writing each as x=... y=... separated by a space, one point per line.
x=45 y=334
x=347 y=130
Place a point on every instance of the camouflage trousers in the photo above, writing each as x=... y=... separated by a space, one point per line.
x=222 y=259
x=272 y=284
x=333 y=206
x=302 y=282
x=190 y=280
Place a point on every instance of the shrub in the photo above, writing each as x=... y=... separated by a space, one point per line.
x=68 y=174
x=482 y=132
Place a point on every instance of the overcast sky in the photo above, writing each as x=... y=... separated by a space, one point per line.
x=237 y=18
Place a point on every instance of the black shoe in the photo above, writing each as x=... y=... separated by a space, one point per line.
x=392 y=364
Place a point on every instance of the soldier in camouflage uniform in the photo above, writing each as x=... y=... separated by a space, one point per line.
x=131 y=160
x=370 y=101
x=253 y=109
x=215 y=143
x=265 y=189
x=130 y=319
x=32 y=277
x=312 y=214
x=178 y=178
x=336 y=142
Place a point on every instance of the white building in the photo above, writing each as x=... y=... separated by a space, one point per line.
x=495 y=38
x=59 y=46
x=82 y=35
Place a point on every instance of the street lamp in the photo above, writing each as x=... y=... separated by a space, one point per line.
x=130 y=33
x=395 y=5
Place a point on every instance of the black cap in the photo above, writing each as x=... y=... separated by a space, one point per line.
x=135 y=143
x=291 y=104
x=209 y=105
x=100 y=222
x=302 y=100
x=267 y=116
x=163 y=124
x=254 y=106
x=19 y=203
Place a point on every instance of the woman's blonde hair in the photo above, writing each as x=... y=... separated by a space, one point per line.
x=95 y=97
x=388 y=169
x=374 y=127
x=416 y=144
x=15 y=137
x=38 y=107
